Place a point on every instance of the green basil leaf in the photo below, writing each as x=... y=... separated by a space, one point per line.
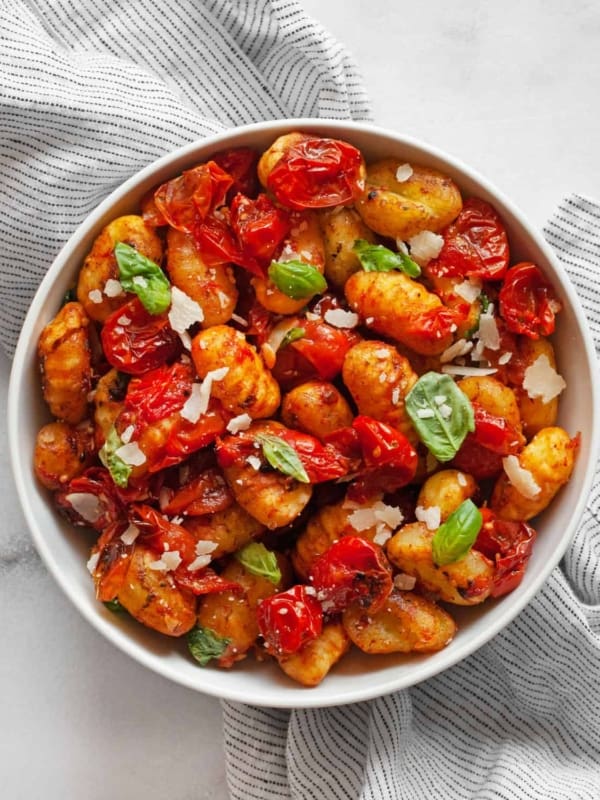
x=455 y=537
x=140 y=275
x=282 y=456
x=377 y=258
x=119 y=470
x=204 y=644
x=260 y=561
x=442 y=424
x=291 y=336
x=115 y=606
x=297 y=279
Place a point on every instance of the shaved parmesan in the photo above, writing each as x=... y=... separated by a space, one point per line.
x=199 y=562
x=471 y=372
x=461 y=479
x=469 y=290
x=86 y=505
x=127 y=434
x=542 y=380
x=403 y=172
x=425 y=413
x=404 y=582
x=520 y=478
x=382 y=535
x=124 y=320
x=505 y=358
x=340 y=318
x=139 y=280
x=184 y=311
x=445 y=411
x=254 y=462
x=396 y=395
x=113 y=288
x=431 y=516
x=459 y=348
x=240 y=423
x=130 y=534
x=239 y=320
x=197 y=403
x=172 y=559
x=131 y=454
x=95 y=296
x=205 y=546
x=488 y=332
x=379 y=514
x=93 y=562
x=425 y=246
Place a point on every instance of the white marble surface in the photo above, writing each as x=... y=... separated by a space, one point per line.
x=511 y=88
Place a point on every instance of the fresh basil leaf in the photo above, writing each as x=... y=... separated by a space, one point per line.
x=119 y=470
x=442 y=424
x=115 y=606
x=297 y=279
x=204 y=644
x=282 y=456
x=377 y=258
x=291 y=336
x=455 y=537
x=140 y=275
x=260 y=561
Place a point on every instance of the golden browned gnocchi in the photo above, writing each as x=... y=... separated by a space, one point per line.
x=401 y=207
x=65 y=363
x=321 y=414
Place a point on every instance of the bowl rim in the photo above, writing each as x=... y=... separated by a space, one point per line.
x=21 y=467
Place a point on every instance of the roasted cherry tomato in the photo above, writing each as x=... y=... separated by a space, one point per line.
x=259 y=226
x=384 y=446
x=496 y=433
x=352 y=569
x=509 y=544
x=135 y=341
x=288 y=620
x=113 y=561
x=91 y=500
x=160 y=392
x=475 y=245
x=206 y=493
x=317 y=173
x=187 y=437
x=324 y=346
x=185 y=201
x=240 y=163
x=528 y=303
x=203 y=581
x=476 y=460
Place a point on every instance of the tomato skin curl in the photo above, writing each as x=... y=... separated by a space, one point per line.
x=528 y=303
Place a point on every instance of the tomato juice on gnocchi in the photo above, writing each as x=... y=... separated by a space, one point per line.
x=305 y=403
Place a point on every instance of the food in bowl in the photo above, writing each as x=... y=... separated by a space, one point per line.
x=307 y=404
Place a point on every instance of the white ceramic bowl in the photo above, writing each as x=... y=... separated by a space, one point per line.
x=358 y=677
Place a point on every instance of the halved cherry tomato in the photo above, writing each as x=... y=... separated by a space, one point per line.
x=475 y=245
x=187 y=199
x=135 y=341
x=384 y=446
x=161 y=534
x=288 y=620
x=160 y=392
x=324 y=346
x=203 y=581
x=206 y=493
x=528 y=303
x=96 y=482
x=317 y=173
x=476 y=460
x=352 y=569
x=187 y=437
x=259 y=226
x=509 y=544
x=496 y=433
x=240 y=163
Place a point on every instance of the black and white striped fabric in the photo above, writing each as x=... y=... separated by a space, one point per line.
x=517 y=720
x=93 y=90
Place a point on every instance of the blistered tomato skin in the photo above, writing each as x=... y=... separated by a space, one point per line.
x=528 y=303
x=289 y=620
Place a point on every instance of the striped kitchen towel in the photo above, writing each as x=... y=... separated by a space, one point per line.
x=517 y=720
x=93 y=90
